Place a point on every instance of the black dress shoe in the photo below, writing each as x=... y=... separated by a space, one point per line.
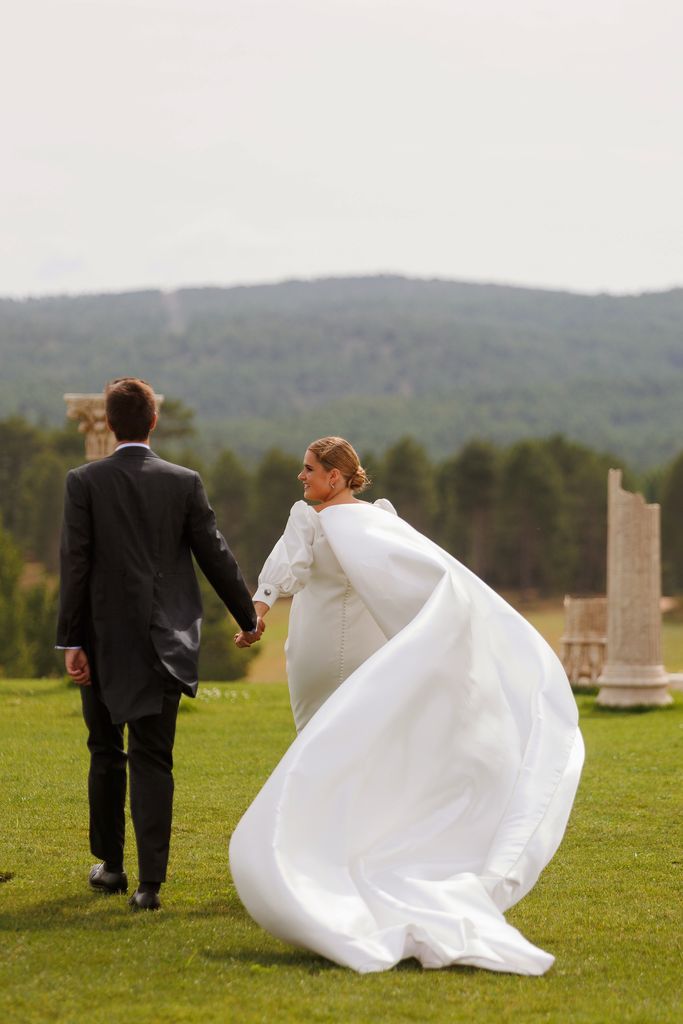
x=107 y=881
x=144 y=901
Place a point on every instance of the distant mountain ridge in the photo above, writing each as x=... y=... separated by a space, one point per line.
x=373 y=358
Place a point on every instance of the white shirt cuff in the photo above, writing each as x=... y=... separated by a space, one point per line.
x=268 y=593
x=58 y=647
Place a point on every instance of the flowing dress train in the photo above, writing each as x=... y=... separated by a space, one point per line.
x=436 y=763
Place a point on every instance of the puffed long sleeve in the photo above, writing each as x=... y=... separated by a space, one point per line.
x=288 y=566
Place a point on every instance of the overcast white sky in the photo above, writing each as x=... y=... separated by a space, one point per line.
x=173 y=142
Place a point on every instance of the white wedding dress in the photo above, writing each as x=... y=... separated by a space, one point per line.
x=437 y=759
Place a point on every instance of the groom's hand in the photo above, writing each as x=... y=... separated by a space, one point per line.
x=78 y=666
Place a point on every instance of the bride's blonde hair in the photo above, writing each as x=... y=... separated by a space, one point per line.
x=337 y=453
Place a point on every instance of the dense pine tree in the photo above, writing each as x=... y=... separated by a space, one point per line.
x=408 y=479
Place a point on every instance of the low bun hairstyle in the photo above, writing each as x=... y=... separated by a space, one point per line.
x=337 y=453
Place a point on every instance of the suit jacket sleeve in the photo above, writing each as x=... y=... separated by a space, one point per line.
x=216 y=560
x=74 y=564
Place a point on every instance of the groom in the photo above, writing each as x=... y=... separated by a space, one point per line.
x=129 y=621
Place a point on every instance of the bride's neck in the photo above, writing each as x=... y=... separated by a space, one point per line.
x=344 y=497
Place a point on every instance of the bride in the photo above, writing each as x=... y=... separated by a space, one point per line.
x=437 y=756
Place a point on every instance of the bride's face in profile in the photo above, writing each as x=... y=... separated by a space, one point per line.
x=318 y=482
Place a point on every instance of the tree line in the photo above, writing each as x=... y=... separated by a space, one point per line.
x=529 y=517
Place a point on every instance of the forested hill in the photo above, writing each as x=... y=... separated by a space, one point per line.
x=373 y=358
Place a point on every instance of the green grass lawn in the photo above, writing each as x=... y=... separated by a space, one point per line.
x=609 y=906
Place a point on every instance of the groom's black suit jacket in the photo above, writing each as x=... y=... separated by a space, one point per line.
x=128 y=594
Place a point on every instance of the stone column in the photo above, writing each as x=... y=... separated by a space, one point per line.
x=89 y=409
x=633 y=674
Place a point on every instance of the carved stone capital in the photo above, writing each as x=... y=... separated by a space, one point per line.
x=89 y=410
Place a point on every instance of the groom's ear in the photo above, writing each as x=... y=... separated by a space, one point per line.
x=154 y=422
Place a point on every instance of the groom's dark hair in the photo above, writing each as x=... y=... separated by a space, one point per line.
x=130 y=405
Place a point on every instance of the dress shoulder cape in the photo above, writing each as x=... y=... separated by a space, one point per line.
x=431 y=789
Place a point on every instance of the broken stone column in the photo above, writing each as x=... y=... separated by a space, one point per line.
x=634 y=674
x=584 y=639
x=89 y=409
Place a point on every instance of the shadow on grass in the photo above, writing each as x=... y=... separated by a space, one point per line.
x=66 y=912
x=310 y=962
x=96 y=912
x=275 y=958
x=598 y=711
x=222 y=907
x=93 y=911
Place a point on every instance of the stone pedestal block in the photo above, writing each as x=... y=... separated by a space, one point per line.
x=584 y=639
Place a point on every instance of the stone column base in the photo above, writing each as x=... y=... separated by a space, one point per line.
x=629 y=686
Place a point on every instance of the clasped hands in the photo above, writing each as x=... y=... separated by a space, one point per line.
x=246 y=639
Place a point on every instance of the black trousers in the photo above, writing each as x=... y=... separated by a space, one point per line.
x=150 y=765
